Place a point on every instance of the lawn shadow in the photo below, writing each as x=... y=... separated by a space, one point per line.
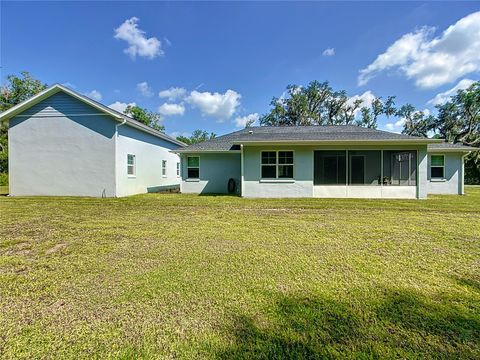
x=233 y=195
x=397 y=324
x=474 y=284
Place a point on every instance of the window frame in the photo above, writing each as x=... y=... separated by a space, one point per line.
x=193 y=167
x=276 y=165
x=133 y=166
x=437 y=166
x=164 y=168
x=178 y=169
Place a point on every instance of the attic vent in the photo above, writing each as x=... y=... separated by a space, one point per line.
x=250 y=131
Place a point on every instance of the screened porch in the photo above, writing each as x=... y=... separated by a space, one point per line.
x=365 y=172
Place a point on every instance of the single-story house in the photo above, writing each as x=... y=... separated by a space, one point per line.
x=63 y=143
x=323 y=161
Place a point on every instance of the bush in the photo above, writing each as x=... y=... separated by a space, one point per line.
x=3 y=179
x=472 y=169
x=3 y=161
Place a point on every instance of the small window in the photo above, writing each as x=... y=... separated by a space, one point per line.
x=164 y=168
x=277 y=164
x=131 y=165
x=193 y=167
x=437 y=166
x=178 y=169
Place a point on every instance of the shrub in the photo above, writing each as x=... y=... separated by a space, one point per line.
x=3 y=179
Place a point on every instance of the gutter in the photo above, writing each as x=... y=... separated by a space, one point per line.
x=124 y=121
x=342 y=142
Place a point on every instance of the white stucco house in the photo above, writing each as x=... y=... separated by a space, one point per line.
x=62 y=143
x=323 y=161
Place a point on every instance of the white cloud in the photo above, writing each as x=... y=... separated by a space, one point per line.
x=242 y=121
x=173 y=93
x=443 y=97
x=367 y=97
x=397 y=126
x=432 y=61
x=144 y=89
x=221 y=106
x=328 y=52
x=171 y=109
x=138 y=43
x=95 y=95
x=120 y=106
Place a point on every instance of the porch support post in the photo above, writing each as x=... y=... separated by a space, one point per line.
x=381 y=169
x=241 y=170
x=347 y=174
x=422 y=167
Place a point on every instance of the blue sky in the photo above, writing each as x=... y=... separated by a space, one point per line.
x=215 y=64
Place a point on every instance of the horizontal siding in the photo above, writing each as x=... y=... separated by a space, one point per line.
x=58 y=105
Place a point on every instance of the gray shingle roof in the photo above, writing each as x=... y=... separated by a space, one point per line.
x=451 y=147
x=298 y=133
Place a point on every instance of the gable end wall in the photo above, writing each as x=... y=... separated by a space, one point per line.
x=62 y=147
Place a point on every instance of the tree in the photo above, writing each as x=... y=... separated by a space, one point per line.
x=458 y=120
x=145 y=116
x=197 y=136
x=377 y=107
x=319 y=104
x=16 y=90
x=416 y=123
x=19 y=89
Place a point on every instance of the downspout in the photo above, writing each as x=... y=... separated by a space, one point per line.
x=241 y=170
x=462 y=188
x=116 y=155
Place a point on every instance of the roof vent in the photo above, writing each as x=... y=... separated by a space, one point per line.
x=250 y=131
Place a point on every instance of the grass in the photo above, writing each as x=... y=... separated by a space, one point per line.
x=179 y=276
x=3 y=190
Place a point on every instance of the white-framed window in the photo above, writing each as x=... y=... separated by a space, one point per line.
x=193 y=167
x=437 y=166
x=164 y=168
x=178 y=169
x=277 y=164
x=131 y=165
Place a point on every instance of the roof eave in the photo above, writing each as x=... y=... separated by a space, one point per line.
x=452 y=150
x=52 y=90
x=187 y=151
x=340 y=142
x=154 y=132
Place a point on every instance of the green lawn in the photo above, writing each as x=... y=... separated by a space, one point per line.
x=179 y=276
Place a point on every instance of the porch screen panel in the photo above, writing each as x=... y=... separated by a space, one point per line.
x=329 y=168
x=364 y=167
x=400 y=167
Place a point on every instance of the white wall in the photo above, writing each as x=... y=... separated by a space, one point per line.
x=215 y=171
x=54 y=151
x=302 y=184
x=452 y=184
x=149 y=152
